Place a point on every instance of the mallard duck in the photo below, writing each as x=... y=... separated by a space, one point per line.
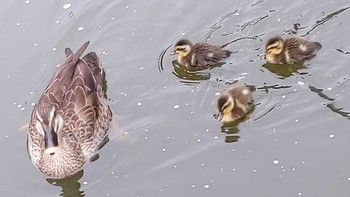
x=234 y=103
x=71 y=118
x=200 y=54
x=291 y=50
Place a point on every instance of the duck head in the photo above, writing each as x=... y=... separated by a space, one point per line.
x=183 y=48
x=225 y=105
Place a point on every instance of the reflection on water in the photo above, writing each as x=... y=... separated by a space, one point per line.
x=70 y=185
x=276 y=86
x=161 y=58
x=284 y=71
x=331 y=104
x=193 y=74
x=231 y=128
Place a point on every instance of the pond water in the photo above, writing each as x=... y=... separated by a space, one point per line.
x=295 y=143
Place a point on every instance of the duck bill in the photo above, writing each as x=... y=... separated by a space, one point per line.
x=172 y=53
x=219 y=116
x=51 y=143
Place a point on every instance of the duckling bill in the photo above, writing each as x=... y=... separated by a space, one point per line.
x=234 y=103
x=291 y=50
x=200 y=54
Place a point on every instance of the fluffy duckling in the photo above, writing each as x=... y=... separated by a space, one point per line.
x=200 y=54
x=234 y=103
x=291 y=50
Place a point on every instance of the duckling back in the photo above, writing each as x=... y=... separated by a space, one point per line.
x=208 y=55
x=298 y=49
x=242 y=95
x=235 y=103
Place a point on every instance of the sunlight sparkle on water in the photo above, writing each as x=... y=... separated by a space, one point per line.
x=66 y=6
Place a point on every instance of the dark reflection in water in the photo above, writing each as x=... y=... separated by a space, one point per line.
x=161 y=58
x=193 y=74
x=276 y=86
x=343 y=52
x=331 y=104
x=70 y=185
x=284 y=71
x=320 y=93
x=326 y=18
x=231 y=128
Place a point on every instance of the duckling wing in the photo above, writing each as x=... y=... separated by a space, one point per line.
x=243 y=94
x=300 y=49
x=207 y=54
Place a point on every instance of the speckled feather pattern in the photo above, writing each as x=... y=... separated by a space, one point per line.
x=243 y=101
x=204 y=54
x=75 y=90
x=296 y=49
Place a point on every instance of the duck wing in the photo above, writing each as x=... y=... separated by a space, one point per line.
x=207 y=54
x=301 y=49
x=84 y=105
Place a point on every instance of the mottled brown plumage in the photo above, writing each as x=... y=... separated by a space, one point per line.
x=200 y=54
x=71 y=118
x=291 y=50
x=234 y=103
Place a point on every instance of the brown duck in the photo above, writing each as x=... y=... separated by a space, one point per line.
x=234 y=103
x=291 y=50
x=200 y=54
x=71 y=119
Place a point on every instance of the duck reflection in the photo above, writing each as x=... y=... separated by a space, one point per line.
x=70 y=185
x=191 y=74
x=230 y=129
x=284 y=71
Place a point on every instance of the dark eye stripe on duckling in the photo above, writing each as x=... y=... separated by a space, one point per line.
x=181 y=48
x=273 y=46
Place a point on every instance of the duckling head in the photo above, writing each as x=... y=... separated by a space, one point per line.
x=275 y=46
x=183 y=47
x=225 y=106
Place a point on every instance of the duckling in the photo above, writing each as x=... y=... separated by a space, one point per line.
x=291 y=50
x=200 y=54
x=235 y=103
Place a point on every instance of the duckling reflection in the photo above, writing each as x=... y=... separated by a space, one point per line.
x=70 y=185
x=235 y=103
x=291 y=50
x=200 y=54
x=182 y=72
x=231 y=130
x=284 y=71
